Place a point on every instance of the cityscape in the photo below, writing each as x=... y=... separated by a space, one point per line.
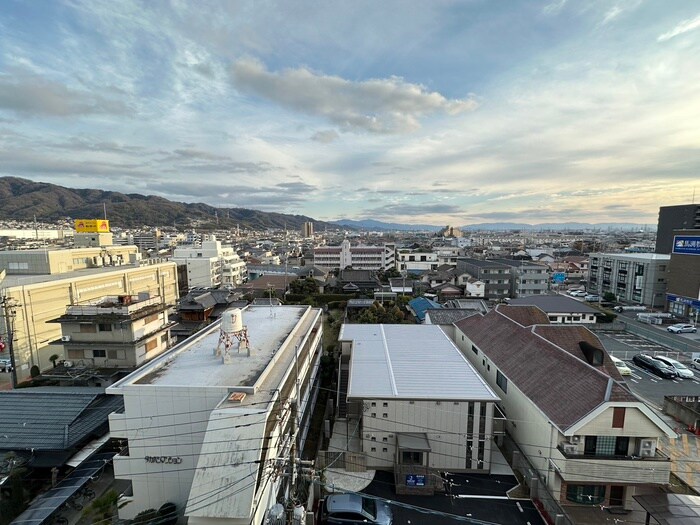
x=349 y=263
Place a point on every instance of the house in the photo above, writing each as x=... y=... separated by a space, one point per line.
x=353 y=281
x=495 y=276
x=421 y=406
x=560 y=309
x=419 y=306
x=589 y=439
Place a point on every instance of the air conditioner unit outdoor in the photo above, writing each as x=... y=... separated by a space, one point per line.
x=65 y=338
x=570 y=449
x=647 y=444
x=575 y=440
x=367 y=436
x=646 y=453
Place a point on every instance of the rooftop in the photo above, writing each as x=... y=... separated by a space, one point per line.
x=554 y=304
x=194 y=363
x=410 y=362
x=635 y=256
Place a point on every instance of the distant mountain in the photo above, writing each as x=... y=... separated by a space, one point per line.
x=371 y=224
x=22 y=199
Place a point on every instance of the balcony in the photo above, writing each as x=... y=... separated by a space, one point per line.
x=580 y=468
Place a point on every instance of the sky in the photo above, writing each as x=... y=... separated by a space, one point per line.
x=419 y=112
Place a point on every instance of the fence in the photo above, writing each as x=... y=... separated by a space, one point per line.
x=350 y=461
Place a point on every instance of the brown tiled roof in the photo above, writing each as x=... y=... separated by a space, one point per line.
x=525 y=315
x=562 y=385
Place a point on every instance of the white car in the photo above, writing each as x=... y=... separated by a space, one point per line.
x=5 y=365
x=683 y=371
x=621 y=366
x=682 y=328
x=577 y=293
x=695 y=363
x=591 y=298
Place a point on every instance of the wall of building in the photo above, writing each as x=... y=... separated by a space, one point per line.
x=571 y=318
x=636 y=280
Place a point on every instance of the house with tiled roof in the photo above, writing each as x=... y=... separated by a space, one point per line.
x=590 y=440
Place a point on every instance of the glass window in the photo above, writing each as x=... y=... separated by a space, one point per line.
x=586 y=494
x=502 y=381
x=99 y=353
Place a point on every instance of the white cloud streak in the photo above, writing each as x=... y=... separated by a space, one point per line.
x=683 y=27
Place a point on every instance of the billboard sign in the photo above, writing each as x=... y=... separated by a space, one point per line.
x=686 y=244
x=91 y=226
x=559 y=277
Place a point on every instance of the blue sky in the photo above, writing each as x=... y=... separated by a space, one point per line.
x=421 y=112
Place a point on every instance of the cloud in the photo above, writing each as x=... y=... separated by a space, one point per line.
x=412 y=210
x=684 y=26
x=326 y=136
x=388 y=105
x=31 y=94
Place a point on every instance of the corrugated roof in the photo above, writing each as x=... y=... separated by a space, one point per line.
x=410 y=362
x=563 y=386
x=51 y=419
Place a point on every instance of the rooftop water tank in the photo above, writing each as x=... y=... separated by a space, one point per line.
x=232 y=320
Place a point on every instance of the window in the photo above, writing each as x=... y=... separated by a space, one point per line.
x=385 y=439
x=385 y=415
x=112 y=354
x=373 y=449
x=104 y=327
x=151 y=345
x=502 y=381
x=475 y=350
x=164 y=338
x=373 y=414
x=88 y=328
x=374 y=404
x=384 y=449
x=373 y=438
x=99 y=353
x=586 y=494
x=385 y=404
x=411 y=458
x=618 y=420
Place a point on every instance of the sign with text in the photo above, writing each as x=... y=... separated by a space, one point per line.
x=91 y=226
x=686 y=244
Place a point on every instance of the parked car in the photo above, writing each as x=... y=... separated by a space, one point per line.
x=621 y=366
x=682 y=328
x=695 y=363
x=351 y=509
x=5 y=364
x=654 y=366
x=577 y=293
x=591 y=297
x=682 y=370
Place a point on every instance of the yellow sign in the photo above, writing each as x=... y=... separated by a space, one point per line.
x=91 y=226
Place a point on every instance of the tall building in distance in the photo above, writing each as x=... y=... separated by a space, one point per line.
x=307 y=230
x=683 y=217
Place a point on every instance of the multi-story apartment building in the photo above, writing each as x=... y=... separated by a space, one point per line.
x=217 y=415
x=683 y=217
x=589 y=439
x=638 y=278
x=496 y=276
x=307 y=229
x=417 y=262
x=211 y=264
x=33 y=301
x=683 y=297
x=61 y=261
x=121 y=331
x=421 y=406
x=357 y=257
x=527 y=278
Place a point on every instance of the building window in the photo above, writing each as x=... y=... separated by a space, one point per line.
x=385 y=439
x=385 y=404
x=411 y=458
x=475 y=350
x=87 y=328
x=105 y=327
x=586 y=494
x=373 y=414
x=385 y=415
x=99 y=353
x=373 y=449
x=373 y=438
x=374 y=404
x=618 y=420
x=112 y=354
x=502 y=381
x=151 y=345
x=384 y=449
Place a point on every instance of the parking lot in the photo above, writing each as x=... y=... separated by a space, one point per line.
x=624 y=345
x=474 y=496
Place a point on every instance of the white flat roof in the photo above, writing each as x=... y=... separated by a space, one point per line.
x=194 y=362
x=635 y=256
x=410 y=362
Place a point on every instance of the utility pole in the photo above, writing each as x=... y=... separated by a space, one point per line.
x=8 y=307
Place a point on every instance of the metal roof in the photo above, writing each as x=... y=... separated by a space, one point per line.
x=410 y=362
x=555 y=304
x=52 y=418
x=671 y=509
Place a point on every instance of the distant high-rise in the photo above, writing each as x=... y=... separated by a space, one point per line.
x=683 y=217
x=307 y=229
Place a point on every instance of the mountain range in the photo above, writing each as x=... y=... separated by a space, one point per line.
x=371 y=224
x=22 y=199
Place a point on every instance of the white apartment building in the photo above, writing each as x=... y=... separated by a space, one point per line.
x=357 y=257
x=410 y=261
x=211 y=264
x=638 y=278
x=208 y=425
x=422 y=406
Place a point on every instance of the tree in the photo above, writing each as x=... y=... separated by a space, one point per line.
x=146 y=517
x=53 y=359
x=34 y=371
x=103 y=508
x=167 y=514
x=609 y=297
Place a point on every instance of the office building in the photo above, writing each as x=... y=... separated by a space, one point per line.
x=683 y=297
x=683 y=217
x=527 y=278
x=635 y=278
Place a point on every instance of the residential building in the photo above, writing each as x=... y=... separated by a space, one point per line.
x=122 y=331
x=420 y=305
x=417 y=262
x=527 y=278
x=638 y=278
x=559 y=308
x=421 y=406
x=589 y=440
x=683 y=297
x=496 y=276
x=148 y=240
x=56 y=261
x=357 y=257
x=216 y=415
x=682 y=217
x=32 y=301
x=211 y=264
x=307 y=229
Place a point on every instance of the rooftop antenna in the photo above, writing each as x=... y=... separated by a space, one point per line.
x=104 y=209
x=269 y=291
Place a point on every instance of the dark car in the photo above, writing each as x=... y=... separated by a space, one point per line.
x=654 y=366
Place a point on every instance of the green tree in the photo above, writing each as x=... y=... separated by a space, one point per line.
x=609 y=297
x=53 y=359
x=102 y=508
x=146 y=517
